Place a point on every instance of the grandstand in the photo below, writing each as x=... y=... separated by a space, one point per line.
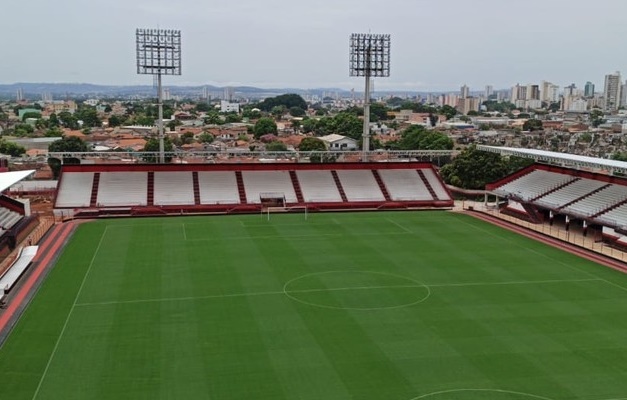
x=542 y=192
x=132 y=189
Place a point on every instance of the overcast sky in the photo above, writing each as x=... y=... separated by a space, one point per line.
x=436 y=44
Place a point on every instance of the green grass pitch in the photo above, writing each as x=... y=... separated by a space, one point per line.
x=386 y=305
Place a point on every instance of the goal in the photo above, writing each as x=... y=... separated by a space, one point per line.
x=271 y=210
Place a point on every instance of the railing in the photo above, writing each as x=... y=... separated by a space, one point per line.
x=263 y=156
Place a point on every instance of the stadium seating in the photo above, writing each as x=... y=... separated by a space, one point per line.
x=534 y=184
x=75 y=189
x=566 y=194
x=405 y=184
x=158 y=189
x=436 y=184
x=257 y=182
x=173 y=188
x=118 y=189
x=218 y=187
x=318 y=186
x=598 y=201
x=615 y=217
x=8 y=218
x=360 y=185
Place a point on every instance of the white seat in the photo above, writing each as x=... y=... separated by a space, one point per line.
x=75 y=189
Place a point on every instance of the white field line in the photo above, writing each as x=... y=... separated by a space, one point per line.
x=184 y=232
x=296 y=237
x=67 y=319
x=548 y=257
x=281 y=292
x=399 y=225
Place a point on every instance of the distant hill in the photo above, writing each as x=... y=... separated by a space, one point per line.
x=34 y=91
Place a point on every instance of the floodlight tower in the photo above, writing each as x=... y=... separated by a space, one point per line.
x=159 y=53
x=369 y=57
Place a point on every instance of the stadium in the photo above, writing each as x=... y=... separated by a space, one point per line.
x=369 y=280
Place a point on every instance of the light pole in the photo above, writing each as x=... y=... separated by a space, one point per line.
x=369 y=57
x=159 y=53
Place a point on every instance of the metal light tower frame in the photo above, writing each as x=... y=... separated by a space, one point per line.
x=159 y=53
x=369 y=57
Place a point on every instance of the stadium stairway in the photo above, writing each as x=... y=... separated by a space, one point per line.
x=196 y=187
x=384 y=190
x=150 y=196
x=297 y=189
x=240 y=187
x=428 y=184
x=94 y=190
x=336 y=179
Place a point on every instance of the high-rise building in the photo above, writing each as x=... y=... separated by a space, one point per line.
x=549 y=92
x=533 y=92
x=489 y=90
x=229 y=92
x=611 y=91
x=589 y=89
x=519 y=92
x=19 y=96
x=570 y=90
x=464 y=92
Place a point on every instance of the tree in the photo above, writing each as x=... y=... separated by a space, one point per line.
x=31 y=114
x=276 y=146
x=232 y=118
x=264 y=126
x=202 y=107
x=54 y=132
x=152 y=145
x=10 y=148
x=89 y=116
x=532 y=125
x=286 y=100
x=108 y=108
x=205 y=138
x=213 y=118
x=448 y=111
x=308 y=125
x=297 y=112
x=173 y=124
x=71 y=144
x=596 y=117
x=116 y=120
x=416 y=137
x=68 y=120
x=53 y=121
x=473 y=169
x=378 y=112
x=278 y=111
x=312 y=144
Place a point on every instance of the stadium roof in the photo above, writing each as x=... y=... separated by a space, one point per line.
x=7 y=179
x=561 y=159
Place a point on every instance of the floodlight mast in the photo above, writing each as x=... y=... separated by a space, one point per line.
x=369 y=57
x=159 y=53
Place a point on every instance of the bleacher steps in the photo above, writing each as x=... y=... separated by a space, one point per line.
x=150 y=196
x=297 y=189
x=196 y=187
x=384 y=190
x=427 y=184
x=240 y=187
x=340 y=189
x=93 y=201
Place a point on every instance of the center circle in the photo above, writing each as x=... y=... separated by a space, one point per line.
x=475 y=394
x=356 y=290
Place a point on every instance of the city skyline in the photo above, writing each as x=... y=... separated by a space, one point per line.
x=435 y=47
